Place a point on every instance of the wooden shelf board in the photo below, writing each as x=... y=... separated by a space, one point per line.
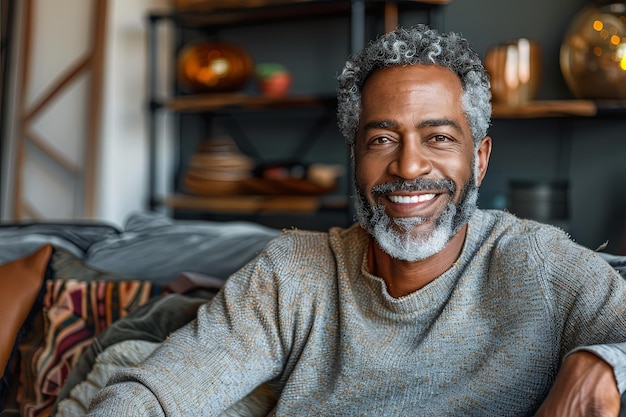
x=220 y=101
x=213 y=15
x=533 y=109
x=245 y=204
x=230 y=4
x=547 y=108
x=227 y=12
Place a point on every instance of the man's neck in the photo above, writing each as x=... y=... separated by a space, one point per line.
x=404 y=277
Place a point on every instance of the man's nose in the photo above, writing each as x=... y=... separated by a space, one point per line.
x=410 y=162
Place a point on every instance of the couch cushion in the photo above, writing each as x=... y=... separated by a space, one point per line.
x=616 y=261
x=159 y=248
x=65 y=265
x=18 y=240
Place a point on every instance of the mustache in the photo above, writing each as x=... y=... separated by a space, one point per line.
x=418 y=184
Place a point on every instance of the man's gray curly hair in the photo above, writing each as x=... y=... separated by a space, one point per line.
x=417 y=45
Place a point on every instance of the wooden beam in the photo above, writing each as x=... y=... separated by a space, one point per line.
x=16 y=204
x=59 y=85
x=391 y=16
x=95 y=110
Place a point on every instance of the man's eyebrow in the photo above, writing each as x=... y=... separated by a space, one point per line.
x=439 y=122
x=391 y=124
x=381 y=124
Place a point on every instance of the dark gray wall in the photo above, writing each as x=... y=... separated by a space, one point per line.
x=590 y=153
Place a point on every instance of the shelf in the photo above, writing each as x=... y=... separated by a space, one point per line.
x=256 y=204
x=217 y=102
x=221 y=13
x=560 y=108
x=533 y=109
x=246 y=204
x=212 y=5
x=209 y=18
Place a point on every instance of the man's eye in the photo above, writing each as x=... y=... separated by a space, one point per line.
x=440 y=138
x=380 y=140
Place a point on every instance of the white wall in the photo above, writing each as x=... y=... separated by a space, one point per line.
x=123 y=170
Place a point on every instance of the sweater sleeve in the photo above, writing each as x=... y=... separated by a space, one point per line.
x=207 y=366
x=108 y=403
x=591 y=301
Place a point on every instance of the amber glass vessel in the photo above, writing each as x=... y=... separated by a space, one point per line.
x=593 y=52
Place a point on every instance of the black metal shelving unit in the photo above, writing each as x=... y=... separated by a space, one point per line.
x=359 y=13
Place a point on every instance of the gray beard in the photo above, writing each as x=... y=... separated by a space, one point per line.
x=396 y=236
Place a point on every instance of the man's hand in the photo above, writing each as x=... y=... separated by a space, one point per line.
x=585 y=386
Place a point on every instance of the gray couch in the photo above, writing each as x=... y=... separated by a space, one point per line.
x=150 y=248
x=150 y=245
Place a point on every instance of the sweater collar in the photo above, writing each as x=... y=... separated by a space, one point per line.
x=373 y=288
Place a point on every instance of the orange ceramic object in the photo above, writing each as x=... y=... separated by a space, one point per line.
x=214 y=67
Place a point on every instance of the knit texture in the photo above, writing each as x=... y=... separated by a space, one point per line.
x=486 y=338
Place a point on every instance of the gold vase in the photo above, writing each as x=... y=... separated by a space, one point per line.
x=593 y=52
x=515 y=71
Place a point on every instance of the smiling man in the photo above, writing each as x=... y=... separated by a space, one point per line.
x=418 y=169
x=427 y=306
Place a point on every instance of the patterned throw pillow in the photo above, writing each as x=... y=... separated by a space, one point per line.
x=74 y=312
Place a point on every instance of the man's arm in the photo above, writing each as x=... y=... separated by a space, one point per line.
x=260 y=402
x=591 y=296
x=232 y=347
x=585 y=386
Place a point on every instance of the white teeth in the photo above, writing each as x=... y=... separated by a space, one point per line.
x=410 y=199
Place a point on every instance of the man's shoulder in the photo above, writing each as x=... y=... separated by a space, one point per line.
x=505 y=224
x=311 y=242
x=297 y=239
x=299 y=256
x=529 y=239
x=507 y=234
x=315 y=236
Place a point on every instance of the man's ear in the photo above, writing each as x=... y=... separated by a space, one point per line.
x=483 y=153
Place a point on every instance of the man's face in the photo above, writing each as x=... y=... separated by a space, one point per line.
x=417 y=170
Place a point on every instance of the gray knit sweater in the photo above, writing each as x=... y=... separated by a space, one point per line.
x=484 y=339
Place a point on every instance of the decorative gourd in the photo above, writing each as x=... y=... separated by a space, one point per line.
x=214 y=67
